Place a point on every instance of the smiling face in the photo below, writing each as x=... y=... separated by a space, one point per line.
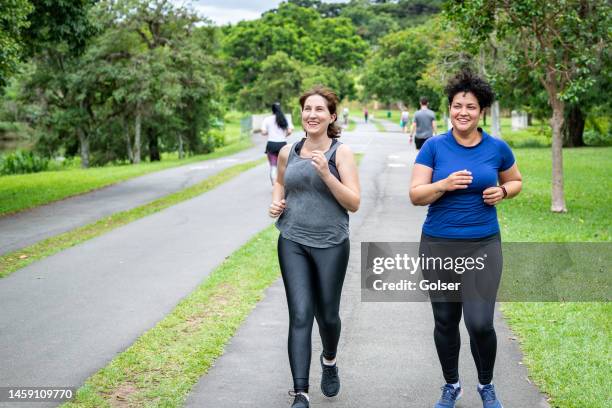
x=465 y=112
x=316 y=116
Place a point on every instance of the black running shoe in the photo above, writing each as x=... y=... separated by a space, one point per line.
x=330 y=382
x=300 y=400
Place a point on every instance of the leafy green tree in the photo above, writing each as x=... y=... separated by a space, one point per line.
x=302 y=35
x=13 y=22
x=559 y=40
x=369 y=24
x=394 y=71
x=147 y=83
x=280 y=80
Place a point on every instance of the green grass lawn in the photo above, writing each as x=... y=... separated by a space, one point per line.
x=567 y=346
x=20 y=192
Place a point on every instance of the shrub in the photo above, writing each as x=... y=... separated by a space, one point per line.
x=21 y=162
x=593 y=137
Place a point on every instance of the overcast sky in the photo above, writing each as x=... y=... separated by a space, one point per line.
x=232 y=11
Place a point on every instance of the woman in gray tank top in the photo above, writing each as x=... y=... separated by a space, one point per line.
x=316 y=185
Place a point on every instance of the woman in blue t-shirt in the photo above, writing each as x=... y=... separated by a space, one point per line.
x=462 y=175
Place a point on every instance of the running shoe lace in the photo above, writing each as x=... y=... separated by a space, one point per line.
x=330 y=370
x=447 y=393
x=488 y=393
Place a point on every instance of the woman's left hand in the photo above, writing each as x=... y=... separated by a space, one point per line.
x=320 y=163
x=493 y=195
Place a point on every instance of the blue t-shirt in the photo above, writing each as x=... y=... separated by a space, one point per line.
x=463 y=213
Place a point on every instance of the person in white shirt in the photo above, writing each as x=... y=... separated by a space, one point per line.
x=277 y=128
x=405 y=117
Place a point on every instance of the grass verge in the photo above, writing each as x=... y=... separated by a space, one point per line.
x=23 y=191
x=18 y=259
x=162 y=366
x=566 y=345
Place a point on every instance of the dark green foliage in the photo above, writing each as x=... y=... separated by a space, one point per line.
x=21 y=162
x=270 y=57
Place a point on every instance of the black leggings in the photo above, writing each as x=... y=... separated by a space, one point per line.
x=478 y=313
x=313 y=279
x=483 y=341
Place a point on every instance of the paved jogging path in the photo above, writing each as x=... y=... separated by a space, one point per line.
x=28 y=227
x=386 y=356
x=66 y=316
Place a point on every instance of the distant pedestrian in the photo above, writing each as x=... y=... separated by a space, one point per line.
x=345 y=116
x=365 y=114
x=404 y=118
x=277 y=127
x=423 y=124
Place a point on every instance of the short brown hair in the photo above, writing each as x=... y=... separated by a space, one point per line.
x=330 y=96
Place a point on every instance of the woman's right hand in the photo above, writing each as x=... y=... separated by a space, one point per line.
x=457 y=181
x=277 y=208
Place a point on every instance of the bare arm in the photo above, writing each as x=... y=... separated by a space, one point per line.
x=512 y=181
x=347 y=191
x=424 y=192
x=278 y=191
x=412 y=129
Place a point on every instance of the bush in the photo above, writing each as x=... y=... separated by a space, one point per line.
x=212 y=139
x=593 y=137
x=21 y=162
x=530 y=142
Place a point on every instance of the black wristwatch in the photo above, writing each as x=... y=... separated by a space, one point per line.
x=504 y=190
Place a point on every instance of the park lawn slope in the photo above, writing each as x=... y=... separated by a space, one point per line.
x=24 y=191
x=567 y=346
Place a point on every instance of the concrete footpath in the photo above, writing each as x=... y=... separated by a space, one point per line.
x=28 y=227
x=65 y=317
x=386 y=356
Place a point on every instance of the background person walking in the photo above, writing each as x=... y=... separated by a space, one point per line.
x=277 y=127
x=423 y=124
x=404 y=119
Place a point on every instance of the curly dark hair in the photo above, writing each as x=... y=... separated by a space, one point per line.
x=333 y=130
x=467 y=81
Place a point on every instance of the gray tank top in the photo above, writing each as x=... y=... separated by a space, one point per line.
x=312 y=216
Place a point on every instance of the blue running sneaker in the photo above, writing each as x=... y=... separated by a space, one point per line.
x=450 y=395
x=489 y=400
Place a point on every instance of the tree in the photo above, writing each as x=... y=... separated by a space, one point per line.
x=280 y=80
x=13 y=22
x=560 y=40
x=147 y=83
x=393 y=72
x=296 y=33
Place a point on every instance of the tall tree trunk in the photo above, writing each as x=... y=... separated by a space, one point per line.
x=128 y=142
x=495 y=120
x=84 y=143
x=180 y=146
x=573 y=128
x=556 y=122
x=529 y=119
x=153 y=145
x=137 y=130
